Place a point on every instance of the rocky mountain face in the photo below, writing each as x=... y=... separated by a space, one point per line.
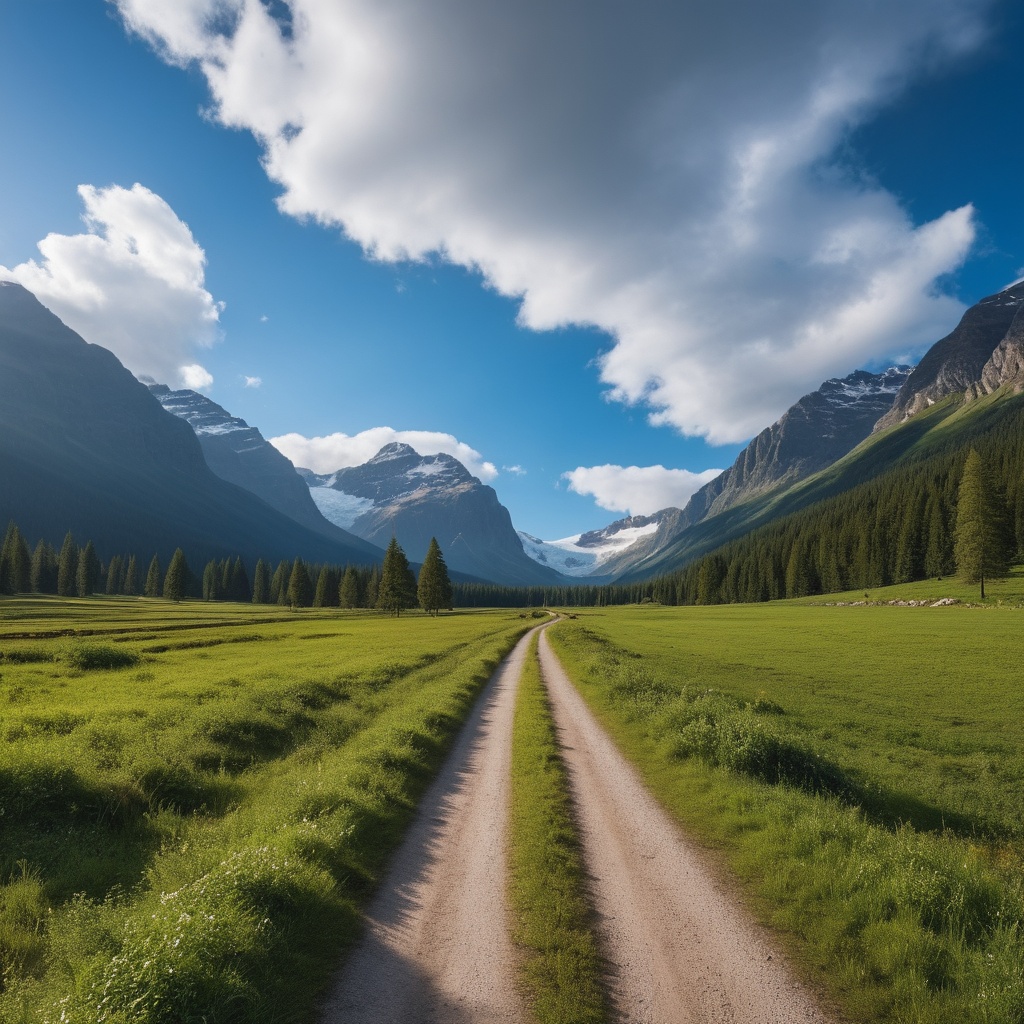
x=957 y=363
x=819 y=429
x=85 y=447
x=415 y=497
x=241 y=455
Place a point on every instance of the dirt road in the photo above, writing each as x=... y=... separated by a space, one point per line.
x=437 y=947
x=679 y=949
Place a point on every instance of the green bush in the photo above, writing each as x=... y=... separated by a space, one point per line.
x=87 y=656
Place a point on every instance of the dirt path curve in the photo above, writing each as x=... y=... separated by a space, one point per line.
x=436 y=948
x=680 y=950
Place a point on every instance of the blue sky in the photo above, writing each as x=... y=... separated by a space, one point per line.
x=557 y=240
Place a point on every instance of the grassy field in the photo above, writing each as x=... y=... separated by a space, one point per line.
x=861 y=770
x=195 y=799
x=547 y=878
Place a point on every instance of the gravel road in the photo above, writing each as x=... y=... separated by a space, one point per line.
x=679 y=949
x=436 y=948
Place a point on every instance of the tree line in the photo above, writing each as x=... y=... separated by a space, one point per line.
x=77 y=571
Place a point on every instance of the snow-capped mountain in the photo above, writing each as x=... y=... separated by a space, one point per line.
x=415 y=497
x=584 y=554
x=240 y=454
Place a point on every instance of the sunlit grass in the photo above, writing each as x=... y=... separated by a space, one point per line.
x=196 y=800
x=860 y=768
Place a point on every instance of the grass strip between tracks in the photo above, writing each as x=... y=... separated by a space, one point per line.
x=550 y=910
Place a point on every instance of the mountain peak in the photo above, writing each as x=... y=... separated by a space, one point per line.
x=394 y=450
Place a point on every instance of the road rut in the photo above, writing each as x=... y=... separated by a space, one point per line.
x=680 y=951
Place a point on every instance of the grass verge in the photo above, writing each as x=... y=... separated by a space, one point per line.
x=898 y=922
x=550 y=911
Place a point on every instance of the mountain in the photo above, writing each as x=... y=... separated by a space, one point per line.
x=415 y=497
x=241 y=455
x=956 y=363
x=85 y=447
x=819 y=429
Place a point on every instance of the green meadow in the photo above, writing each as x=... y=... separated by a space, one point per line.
x=196 y=799
x=861 y=769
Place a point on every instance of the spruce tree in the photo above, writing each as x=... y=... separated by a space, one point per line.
x=131 y=577
x=372 y=588
x=43 y=572
x=326 y=588
x=15 y=563
x=348 y=590
x=980 y=545
x=88 y=573
x=395 y=591
x=176 y=581
x=239 y=581
x=153 y=579
x=300 y=586
x=434 y=587
x=261 y=584
x=279 y=583
x=115 y=576
x=67 y=567
x=211 y=581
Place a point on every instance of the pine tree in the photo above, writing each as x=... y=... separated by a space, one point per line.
x=211 y=581
x=372 y=588
x=67 y=567
x=15 y=563
x=348 y=590
x=980 y=546
x=434 y=588
x=176 y=581
x=88 y=573
x=153 y=578
x=43 y=572
x=131 y=577
x=395 y=591
x=326 y=588
x=300 y=586
x=261 y=584
x=115 y=576
x=239 y=581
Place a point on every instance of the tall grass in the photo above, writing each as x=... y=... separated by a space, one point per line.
x=190 y=838
x=898 y=916
x=547 y=878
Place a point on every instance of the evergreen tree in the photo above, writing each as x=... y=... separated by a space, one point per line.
x=67 y=567
x=395 y=592
x=372 y=588
x=261 y=584
x=176 y=581
x=211 y=581
x=326 y=588
x=131 y=577
x=87 y=575
x=153 y=578
x=115 y=576
x=239 y=581
x=981 y=550
x=348 y=590
x=43 y=572
x=279 y=583
x=15 y=563
x=434 y=588
x=300 y=586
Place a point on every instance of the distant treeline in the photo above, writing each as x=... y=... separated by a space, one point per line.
x=76 y=571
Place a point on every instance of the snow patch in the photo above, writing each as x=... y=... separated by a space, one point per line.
x=338 y=507
x=217 y=428
x=568 y=556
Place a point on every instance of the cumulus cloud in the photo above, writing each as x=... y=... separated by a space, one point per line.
x=196 y=377
x=637 y=490
x=515 y=470
x=252 y=382
x=338 y=451
x=133 y=282
x=675 y=174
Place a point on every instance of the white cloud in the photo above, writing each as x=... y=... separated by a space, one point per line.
x=514 y=470
x=338 y=451
x=132 y=283
x=674 y=174
x=196 y=377
x=252 y=382
x=637 y=490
